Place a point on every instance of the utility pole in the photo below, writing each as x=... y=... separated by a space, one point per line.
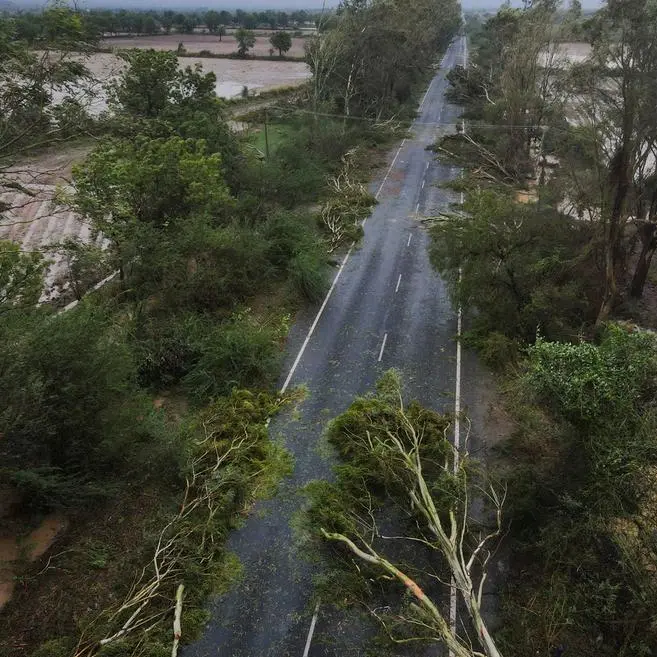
x=266 y=134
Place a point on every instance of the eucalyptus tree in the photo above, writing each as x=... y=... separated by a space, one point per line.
x=43 y=92
x=368 y=57
x=609 y=155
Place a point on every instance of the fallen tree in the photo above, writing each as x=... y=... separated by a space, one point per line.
x=398 y=458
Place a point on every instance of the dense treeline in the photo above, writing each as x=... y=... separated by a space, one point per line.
x=374 y=54
x=553 y=242
x=108 y=22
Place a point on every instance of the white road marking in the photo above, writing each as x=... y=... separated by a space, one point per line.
x=317 y=318
x=398 y=284
x=311 y=631
x=410 y=237
x=424 y=182
x=457 y=413
x=426 y=94
x=383 y=346
x=457 y=447
x=417 y=208
x=389 y=171
x=320 y=312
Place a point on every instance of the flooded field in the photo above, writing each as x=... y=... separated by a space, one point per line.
x=232 y=74
x=198 y=42
x=567 y=54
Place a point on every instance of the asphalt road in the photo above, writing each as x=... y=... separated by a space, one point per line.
x=387 y=309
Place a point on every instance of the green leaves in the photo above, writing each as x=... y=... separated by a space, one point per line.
x=594 y=385
x=127 y=187
x=515 y=267
x=245 y=41
x=21 y=277
x=282 y=41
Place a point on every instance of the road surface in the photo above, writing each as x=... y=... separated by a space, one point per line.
x=388 y=308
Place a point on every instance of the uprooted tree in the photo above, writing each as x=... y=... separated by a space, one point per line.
x=398 y=458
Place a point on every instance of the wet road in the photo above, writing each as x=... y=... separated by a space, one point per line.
x=387 y=309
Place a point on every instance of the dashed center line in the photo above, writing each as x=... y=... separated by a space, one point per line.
x=410 y=237
x=383 y=347
x=398 y=284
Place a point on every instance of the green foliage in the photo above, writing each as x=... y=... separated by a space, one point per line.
x=21 y=277
x=245 y=41
x=282 y=41
x=154 y=97
x=238 y=352
x=54 y=648
x=307 y=273
x=145 y=87
x=294 y=251
x=371 y=54
x=371 y=480
x=517 y=268
x=590 y=383
x=71 y=410
x=582 y=496
x=134 y=190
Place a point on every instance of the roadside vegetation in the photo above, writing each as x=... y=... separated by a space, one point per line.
x=140 y=414
x=550 y=258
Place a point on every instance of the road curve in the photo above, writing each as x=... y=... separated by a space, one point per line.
x=388 y=309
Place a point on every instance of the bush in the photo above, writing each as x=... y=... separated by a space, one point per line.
x=239 y=353
x=167 y=348
x=55 y=648
x=308 y=275
x=210 y=268
x=72 y=415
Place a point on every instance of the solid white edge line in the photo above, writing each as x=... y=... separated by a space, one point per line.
x=311 y=632
x=398 y=284
x=320 y=312
x=376 y=196
x=383 y=347
x=457 y=411
x=427 y=92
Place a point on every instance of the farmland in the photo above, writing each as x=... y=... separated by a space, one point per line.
x=198 y=42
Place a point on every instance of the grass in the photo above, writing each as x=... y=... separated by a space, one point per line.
x=277 y=133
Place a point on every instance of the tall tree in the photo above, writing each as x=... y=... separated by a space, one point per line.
x=245 y=41
x=282 y=41
x=30 y=79
x=212 y=21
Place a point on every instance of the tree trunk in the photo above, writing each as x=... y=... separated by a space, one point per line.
x=647 y=232
x=619 y=179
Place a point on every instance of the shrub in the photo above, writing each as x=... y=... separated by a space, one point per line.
x=239 y=353
x=308 y=275
x=168 y=347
